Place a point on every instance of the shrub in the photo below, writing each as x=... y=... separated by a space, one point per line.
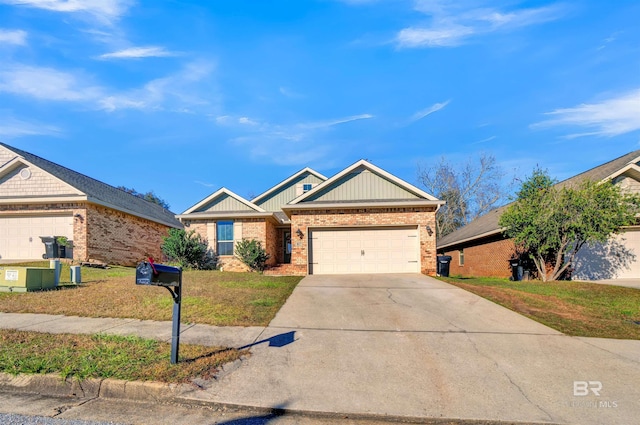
x=188 y=249
x=251 y=253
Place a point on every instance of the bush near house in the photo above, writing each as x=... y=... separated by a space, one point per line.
x=188 y=249
x=251 y=253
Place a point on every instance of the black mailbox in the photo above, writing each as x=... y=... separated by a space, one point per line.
x=158 y=274
x=149 y=273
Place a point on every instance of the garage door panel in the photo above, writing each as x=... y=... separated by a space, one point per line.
x=370 y=250
x=20 y=235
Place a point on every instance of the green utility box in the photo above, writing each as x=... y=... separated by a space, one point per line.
x=26 y=279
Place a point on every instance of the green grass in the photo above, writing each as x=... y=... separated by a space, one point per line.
x=106 y=356
x=574 y=308
x=209 y=297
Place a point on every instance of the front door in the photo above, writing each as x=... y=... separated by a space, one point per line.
x=287 y=247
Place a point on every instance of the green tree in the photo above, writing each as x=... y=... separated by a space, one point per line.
x=251 y=253
x=188 y=249
x=149 y=196
x=552 y=222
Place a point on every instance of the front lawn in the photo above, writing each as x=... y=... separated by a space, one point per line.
x=107 y=356
x=208 y=297
x=573 y=308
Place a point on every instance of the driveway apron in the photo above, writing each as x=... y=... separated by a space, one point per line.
x=410 y=345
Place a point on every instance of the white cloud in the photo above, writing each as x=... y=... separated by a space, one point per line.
x=138 y=52
x=330 y=123
x=174 y=92
x=433 y=37
x=177 y=93
x=302 y=140
x=453 y=23
x=611 y=117
x=105 y=11
x=18 y=37
x=246 y=121
x=488 y=139
x=11 y=128
x=205 y=184
x=46 y=84
x=285 y=91
x=428 y=111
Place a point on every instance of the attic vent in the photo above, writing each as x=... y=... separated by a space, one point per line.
x=25 y=174
x=304 y=188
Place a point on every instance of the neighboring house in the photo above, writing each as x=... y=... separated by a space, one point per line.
x=480 y=249
x=106 y=224
x=362 y=220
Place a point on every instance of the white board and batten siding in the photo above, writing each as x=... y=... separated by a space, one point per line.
x=364 y=250
x=20 y=235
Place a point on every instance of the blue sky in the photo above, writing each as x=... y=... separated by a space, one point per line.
x=183 y=97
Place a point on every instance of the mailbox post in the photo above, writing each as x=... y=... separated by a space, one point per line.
x=148 y=273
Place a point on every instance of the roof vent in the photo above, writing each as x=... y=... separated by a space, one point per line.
x=25 y=174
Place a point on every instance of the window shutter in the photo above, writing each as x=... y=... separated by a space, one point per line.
x=211 y=236
x=299 y=189
x=237 y=233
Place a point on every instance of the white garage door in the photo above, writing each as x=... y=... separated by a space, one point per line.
x=631 y=268
x=619 y=258
x=20 y=236
x=364 y=250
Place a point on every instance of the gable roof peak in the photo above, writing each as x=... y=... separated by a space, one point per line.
x=287 y=181
x=99 y=192
x=363 y=163
x=218 y=193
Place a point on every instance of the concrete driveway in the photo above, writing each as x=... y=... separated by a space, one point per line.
x=410 y=345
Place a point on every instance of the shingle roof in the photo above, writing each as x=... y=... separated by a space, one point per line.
x=487 y=224
x=603 y=171
x=102 y=192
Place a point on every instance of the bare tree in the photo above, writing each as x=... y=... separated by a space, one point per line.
x=471 y=189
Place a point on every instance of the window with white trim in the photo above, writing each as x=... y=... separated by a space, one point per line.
x=224 y=233
x=461 y=257
x=307 y=187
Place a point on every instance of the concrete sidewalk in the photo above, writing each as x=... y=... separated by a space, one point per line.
x=227 y=336
x=629 y=283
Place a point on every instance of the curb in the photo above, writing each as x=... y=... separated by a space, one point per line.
x=52 y=385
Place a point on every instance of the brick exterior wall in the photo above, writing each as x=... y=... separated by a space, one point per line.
x=103 y=234
x=118 y=238
x=421 y=217
x=487 y=257
x=271 y=243
x=252 y=228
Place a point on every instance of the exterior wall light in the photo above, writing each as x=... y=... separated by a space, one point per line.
x=429 y=230
x=299 y=233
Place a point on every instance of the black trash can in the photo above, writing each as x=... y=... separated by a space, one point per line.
x=443 y=265
x=50 y=247
x=517 y=270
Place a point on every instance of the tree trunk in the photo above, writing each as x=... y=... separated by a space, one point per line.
x=541 y=266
